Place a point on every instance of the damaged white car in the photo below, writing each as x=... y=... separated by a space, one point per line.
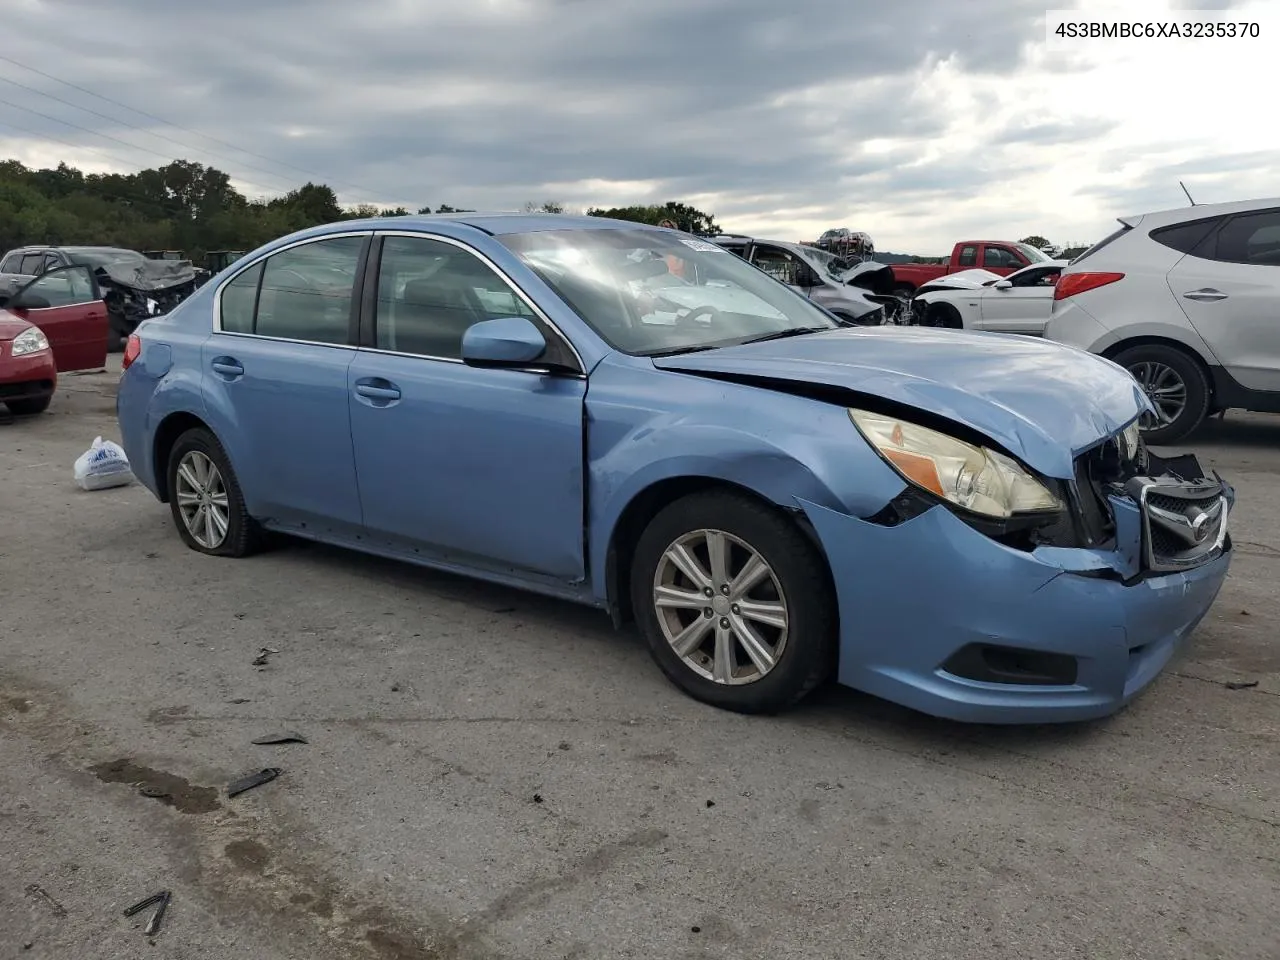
x=981 y=300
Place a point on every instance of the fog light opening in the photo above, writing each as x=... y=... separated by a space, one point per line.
x=991 y=663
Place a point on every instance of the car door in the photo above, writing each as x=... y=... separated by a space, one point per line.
x=1229 y=289
x=274 y=374
x=479 y=467
x=782 y=265
x=1023 y=307
x=67 y=305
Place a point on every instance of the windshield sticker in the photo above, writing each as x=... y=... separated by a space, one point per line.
x=703 y=246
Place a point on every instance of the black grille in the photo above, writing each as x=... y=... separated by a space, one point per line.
x=1169 y=544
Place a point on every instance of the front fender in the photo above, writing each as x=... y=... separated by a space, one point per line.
x=782 y=447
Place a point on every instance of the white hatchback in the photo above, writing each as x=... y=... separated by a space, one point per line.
x=1188 y=301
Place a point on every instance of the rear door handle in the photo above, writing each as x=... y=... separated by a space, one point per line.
x=1205 y=294
x=376 y=388
x=229 y=368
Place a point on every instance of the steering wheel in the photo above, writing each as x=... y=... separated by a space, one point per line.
x=711 y=313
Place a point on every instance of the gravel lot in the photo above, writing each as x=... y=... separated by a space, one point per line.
x=493 y=775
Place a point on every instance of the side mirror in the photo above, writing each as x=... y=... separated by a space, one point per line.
x=505 y=342
x=1002 y=285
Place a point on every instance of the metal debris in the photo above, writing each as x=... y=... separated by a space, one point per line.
x=161 y=900
x=37 y=892
x=263 y=655
x=265 y=775
x=286 y=736
x=154 y=923
x=1241 y=684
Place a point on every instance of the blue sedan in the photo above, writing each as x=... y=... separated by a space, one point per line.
x=634 y=418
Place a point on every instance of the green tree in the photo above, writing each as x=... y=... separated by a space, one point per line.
x=1035 y=241
x=686 y=218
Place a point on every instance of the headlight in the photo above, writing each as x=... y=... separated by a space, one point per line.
x=29 y=341
x=1130 y=440
x=969 y=476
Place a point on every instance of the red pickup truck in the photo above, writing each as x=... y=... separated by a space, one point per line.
x=998 y=256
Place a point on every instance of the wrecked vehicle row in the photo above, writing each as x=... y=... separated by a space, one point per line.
x=133 y=286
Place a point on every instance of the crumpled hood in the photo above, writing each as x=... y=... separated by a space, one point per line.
x=11 y=326
x=150 y=275
x=1044 y=402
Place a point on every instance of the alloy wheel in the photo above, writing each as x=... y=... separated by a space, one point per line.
x=1164 y=387
x=202 y=499
x=721 y=607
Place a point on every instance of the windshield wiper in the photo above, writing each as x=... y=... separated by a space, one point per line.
x=780 y=334
x=675 y=351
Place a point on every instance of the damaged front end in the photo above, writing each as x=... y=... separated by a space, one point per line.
x=135 y=290
x=1049 y=618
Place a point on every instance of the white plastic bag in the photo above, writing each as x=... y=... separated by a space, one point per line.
x=103 y=465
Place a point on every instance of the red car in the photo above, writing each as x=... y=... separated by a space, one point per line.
x=54 y=323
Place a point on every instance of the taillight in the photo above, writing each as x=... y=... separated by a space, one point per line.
x=132 y=348
x=1074 y=283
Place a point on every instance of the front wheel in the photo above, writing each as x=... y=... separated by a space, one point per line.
x=1176 y=386
x=735 y=602
x=205 y=499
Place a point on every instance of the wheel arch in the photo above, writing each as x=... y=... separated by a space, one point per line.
x=1155 y=340
x=167 y=433
x=647 y=503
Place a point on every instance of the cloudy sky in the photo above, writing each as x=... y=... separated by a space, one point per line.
x=919 y=121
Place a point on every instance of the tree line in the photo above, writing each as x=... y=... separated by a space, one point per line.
x=194 y=208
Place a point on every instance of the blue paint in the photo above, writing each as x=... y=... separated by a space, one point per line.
x=489 y=466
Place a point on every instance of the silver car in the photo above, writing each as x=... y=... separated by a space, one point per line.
x=1188 y=301
x=858 y=292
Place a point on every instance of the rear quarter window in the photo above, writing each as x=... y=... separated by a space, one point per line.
x=1108 y=239
x=1184 y=237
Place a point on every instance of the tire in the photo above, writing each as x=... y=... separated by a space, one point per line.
x=29 y=407
x=242 y=535
x=943 y=315
x=797 y=582
x=1145 y=363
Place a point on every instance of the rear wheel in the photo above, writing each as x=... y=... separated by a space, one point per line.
x=735 y=603
x=1175 y=384
x=28 y=407
x=205 y=499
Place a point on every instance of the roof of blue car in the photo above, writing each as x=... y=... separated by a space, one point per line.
x=498 y=223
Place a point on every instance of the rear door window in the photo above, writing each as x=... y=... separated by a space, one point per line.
x=1249 y=238
x=306 y=291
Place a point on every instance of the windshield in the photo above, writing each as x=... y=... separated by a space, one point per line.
x=1032 y=254
x=829 y=263
x=648 y=292
x=102 y=257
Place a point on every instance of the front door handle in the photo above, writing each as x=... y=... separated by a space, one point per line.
x=228 y=368
x=1205 y=295
x=377 y=389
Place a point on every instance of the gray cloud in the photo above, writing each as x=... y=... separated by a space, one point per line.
x=493 y=102
x=1054 y=132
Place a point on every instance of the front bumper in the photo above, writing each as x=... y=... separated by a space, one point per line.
x=28 y=377
x=918 y=598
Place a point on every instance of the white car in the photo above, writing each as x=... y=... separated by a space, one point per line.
x=1188 y=301
x=981 y=300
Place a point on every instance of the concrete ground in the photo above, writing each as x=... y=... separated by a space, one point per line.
x=493 y=775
